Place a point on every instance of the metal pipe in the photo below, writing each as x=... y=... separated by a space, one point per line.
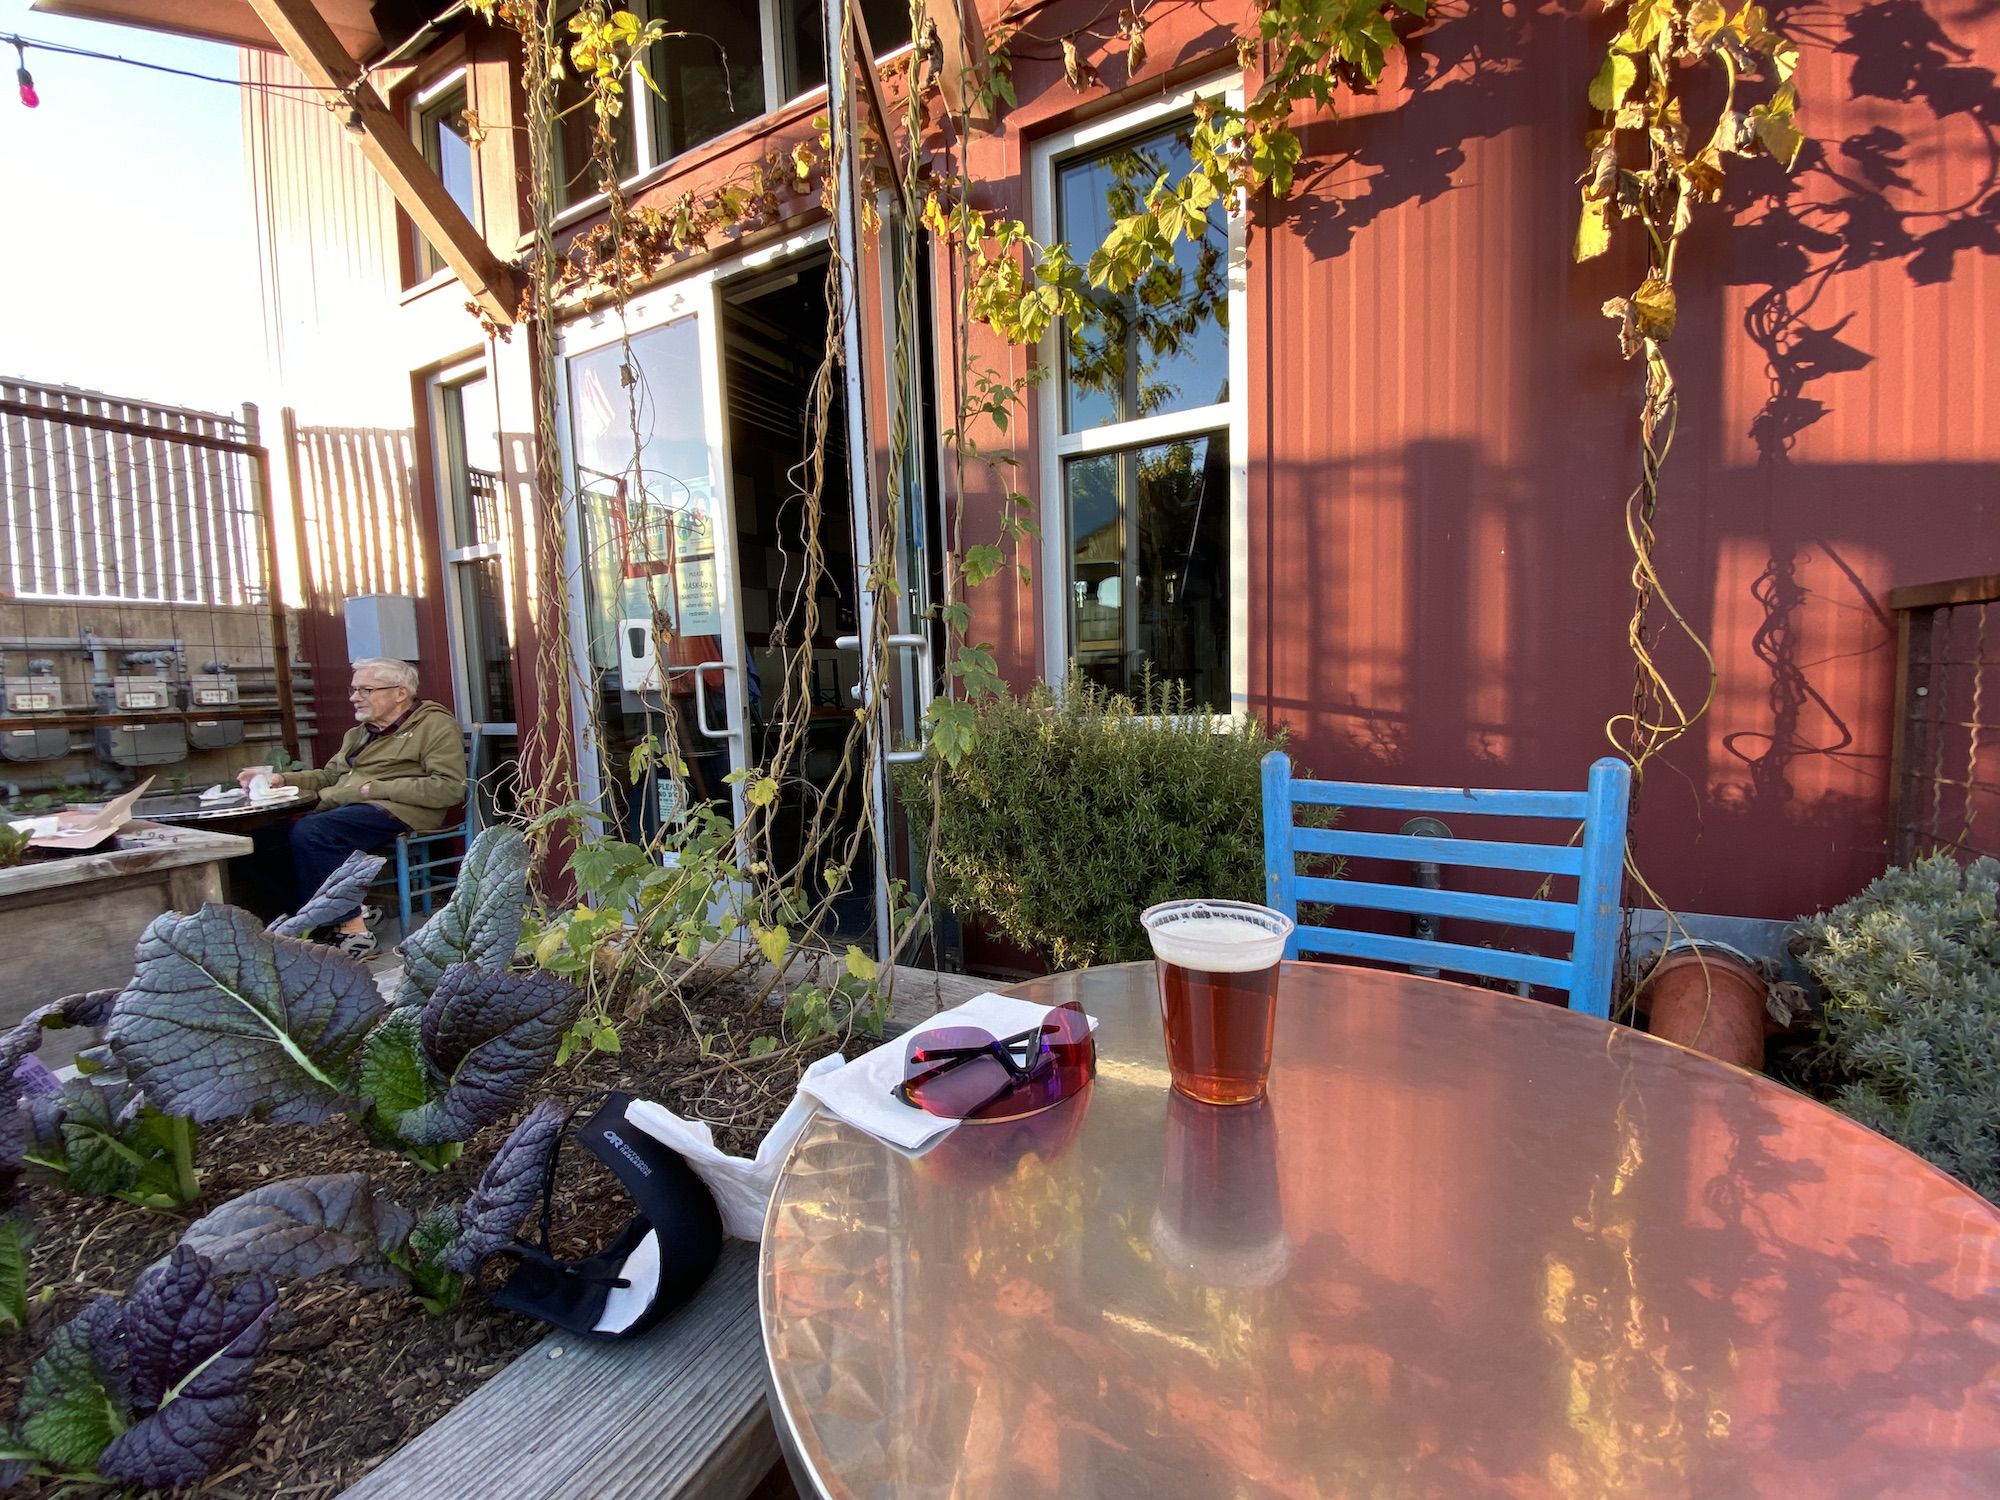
x=1427 y=875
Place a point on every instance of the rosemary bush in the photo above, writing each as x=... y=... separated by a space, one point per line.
x=1074 y=813
x=1911 y=969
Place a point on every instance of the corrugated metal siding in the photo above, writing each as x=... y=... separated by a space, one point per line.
x=327 y=250
x=1445 y=438
x=91 y=514
x=331 y=276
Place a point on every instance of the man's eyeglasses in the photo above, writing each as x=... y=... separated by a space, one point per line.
x=965 y=1073
x=362 y=692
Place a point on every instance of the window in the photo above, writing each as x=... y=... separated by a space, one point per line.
x=1142 y=481
x=477 y=535
x=725 y=63
x=441 y=135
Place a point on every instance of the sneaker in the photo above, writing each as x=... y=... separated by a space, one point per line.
x=371 y=917
x=355 y=945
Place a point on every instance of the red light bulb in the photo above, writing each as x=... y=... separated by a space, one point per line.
x=28 y=95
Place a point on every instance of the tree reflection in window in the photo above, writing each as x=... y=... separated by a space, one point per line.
x=1160 y=345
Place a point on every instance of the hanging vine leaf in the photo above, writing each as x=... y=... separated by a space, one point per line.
x=1613 y=82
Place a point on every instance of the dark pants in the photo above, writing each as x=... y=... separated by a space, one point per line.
x=294 y=858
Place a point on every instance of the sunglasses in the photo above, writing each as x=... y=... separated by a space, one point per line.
x=967 y=1073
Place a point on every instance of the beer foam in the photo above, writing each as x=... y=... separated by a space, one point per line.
x=1211 y=936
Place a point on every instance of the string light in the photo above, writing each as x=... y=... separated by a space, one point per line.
x=31 y=98
x=23 y=77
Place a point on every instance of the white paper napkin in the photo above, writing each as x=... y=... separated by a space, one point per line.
x=862 y=1093
x=218 y=794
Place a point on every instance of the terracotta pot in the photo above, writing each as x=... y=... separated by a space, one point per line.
x=1710 y=1001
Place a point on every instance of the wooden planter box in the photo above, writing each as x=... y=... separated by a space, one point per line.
x=70 y=923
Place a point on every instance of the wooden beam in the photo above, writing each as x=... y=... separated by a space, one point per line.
x=963 y=68
x=1984 y=589
x=309 y=42
x=878 y=104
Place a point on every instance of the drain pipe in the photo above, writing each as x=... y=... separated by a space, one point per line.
x=1428 y=875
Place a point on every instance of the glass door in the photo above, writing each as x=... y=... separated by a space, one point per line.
x=475 y=528
x=653 y=594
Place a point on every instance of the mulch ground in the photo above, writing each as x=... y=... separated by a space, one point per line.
x=351 y=1374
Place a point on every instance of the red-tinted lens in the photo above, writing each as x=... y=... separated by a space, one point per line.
x=1072 y=1054
x=952 y=1071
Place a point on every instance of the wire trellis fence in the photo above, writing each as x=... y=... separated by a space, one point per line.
x=1945 y=762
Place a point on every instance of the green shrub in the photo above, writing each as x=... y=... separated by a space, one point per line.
x=1073 y=814
x=1911 y=969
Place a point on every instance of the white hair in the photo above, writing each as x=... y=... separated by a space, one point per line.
x=392 y=672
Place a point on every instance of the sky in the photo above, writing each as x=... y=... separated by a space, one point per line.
x=127 y=249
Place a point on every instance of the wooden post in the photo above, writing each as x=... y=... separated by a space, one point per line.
x=281 y=635
x=300 y=29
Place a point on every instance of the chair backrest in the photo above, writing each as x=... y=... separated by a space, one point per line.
x=473 y=740
x=1596 y=860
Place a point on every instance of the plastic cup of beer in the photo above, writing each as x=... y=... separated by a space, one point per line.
x=1218 y=971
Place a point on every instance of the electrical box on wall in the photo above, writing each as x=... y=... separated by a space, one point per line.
x=213 y=690
x=638 y=661
x=34 y=695
x=158 y=744
x=34 y=744
x=141 y=694
x=382 y=625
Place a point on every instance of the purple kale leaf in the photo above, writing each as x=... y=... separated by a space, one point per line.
x=91 y=1008
x=223 y=1020
x=480 y=924
x=335 y=900
x=304 y=1227
x=509 y=1188
x=487 y=1037
x=189 y=1349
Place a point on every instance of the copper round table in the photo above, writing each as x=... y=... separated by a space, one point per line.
x=1469 y=1246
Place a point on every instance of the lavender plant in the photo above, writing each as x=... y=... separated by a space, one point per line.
x=1911 y=970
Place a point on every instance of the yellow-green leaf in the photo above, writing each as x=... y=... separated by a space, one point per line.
x=761 y=792
x=860 y=965
x=1613 y=81
x=1654 y=305
x=773 y=942
x=1593 y=230
x=549 y=944
x=1779 y=135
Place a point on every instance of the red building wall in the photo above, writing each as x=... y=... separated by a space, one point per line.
x=1443 y=435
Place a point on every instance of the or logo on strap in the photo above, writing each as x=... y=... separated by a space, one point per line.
x=627 y=1152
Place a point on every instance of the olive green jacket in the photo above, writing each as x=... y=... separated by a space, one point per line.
x=416 y=774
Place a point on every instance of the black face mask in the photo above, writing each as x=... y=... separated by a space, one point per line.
x=654 y=1264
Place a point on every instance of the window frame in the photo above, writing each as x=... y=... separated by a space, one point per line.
x=455 y=553
x=648 y=168
x=424 y=115
x=1055 y=446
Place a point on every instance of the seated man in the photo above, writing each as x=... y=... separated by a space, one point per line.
x=400 y=769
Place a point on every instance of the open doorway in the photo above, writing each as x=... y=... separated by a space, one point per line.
x=774 y=336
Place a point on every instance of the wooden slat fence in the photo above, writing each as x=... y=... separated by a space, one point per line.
x=106 y=498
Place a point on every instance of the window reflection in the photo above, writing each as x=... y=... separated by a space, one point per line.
x=1163 y=344
x=1149 y=565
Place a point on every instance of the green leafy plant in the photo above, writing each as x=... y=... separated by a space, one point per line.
x=150 y=1393
x=225 y=1020
x=305 y=1227
x=1911 y=970
x=101 y=1138
x=1075 y=811
x=94 y=1132
x=13 y=845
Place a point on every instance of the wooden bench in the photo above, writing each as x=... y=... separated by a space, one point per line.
x=678 y=1412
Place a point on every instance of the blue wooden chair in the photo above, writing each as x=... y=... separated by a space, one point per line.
x=1596 y=861
x=427 y=863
